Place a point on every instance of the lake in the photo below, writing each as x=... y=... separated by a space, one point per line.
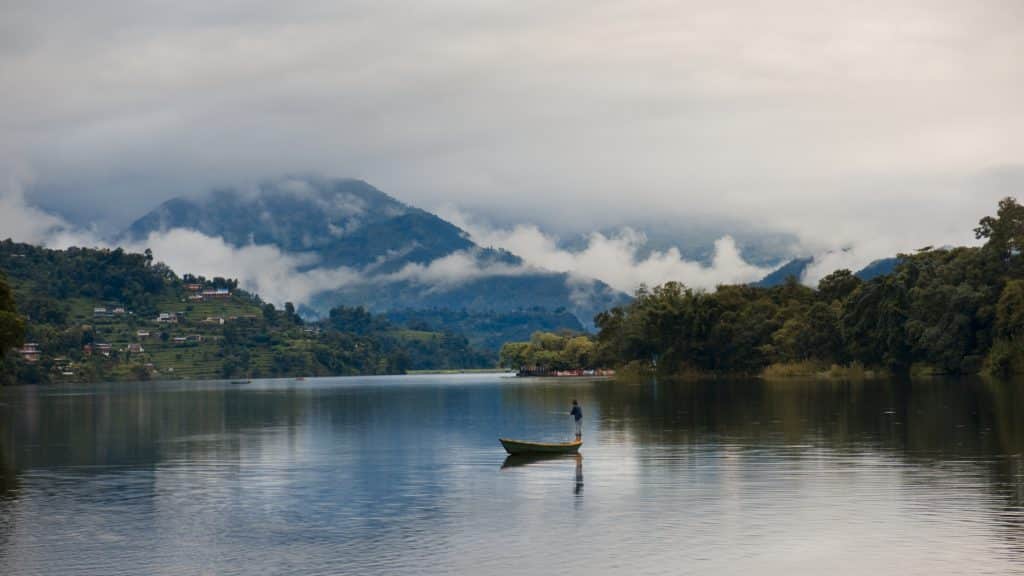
x=404 y=475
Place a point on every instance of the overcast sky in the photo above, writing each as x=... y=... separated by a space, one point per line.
x=881 y=125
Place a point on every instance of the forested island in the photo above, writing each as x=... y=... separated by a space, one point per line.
x=943 y=310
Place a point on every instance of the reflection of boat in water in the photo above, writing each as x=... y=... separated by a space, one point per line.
x=525 y=459
x=578 y=490
x=517 y=460
x=525 y=447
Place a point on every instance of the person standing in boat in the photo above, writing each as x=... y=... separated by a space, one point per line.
x=577 y=414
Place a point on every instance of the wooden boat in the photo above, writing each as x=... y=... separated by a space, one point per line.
x=524 y=447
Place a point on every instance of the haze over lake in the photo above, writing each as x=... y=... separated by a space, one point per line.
x=404 y=474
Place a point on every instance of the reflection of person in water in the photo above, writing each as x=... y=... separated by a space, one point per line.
x=579 y=475
x=577 y=413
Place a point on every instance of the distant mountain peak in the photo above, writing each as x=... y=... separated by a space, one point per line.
x=345 y=222
x=798 y=266
x=349 y=223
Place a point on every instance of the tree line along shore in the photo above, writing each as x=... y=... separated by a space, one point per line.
x=940 y=311
x=87 y=314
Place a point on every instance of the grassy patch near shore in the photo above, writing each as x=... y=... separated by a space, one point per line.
x=811 y=369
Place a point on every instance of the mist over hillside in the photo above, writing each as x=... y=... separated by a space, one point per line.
x=353 y=244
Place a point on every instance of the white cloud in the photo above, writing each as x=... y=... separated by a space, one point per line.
x=829 y=119
x=451 y=270
x=25 y=223
x=615 y=259
x=276 y=276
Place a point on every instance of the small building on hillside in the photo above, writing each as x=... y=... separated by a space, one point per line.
x=142 y=334
x=135 y=348
x=193 y=287
x=30 y=352
x=217 y=293
x=167 y=318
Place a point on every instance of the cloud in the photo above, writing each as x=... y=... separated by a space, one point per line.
x=25 y=223
x=853 y=259
x=276 y=276
x=451 y=270
x=615 y=259
x=862 y=128
x=834 y=121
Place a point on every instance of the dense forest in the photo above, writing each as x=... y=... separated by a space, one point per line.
x=87 y=314
x=955 y=311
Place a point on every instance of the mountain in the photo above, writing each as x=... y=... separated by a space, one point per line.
x=343 y=222
x=405 y=257
x=879 y=267
x=798 y=266
x=794 y=268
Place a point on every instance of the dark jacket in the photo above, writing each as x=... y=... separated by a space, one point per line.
x=576 y=412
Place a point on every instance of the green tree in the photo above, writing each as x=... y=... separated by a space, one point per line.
x=12 y=327
x=514 y=355
x=837 y=285
x=1010 y=311
x=1004 y=232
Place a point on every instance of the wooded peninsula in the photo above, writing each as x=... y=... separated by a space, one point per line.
x=944 y=310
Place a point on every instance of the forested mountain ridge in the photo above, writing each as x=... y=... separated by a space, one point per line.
x=343 y=222
x=94 y=314
x=949 y=310
x=336 y=223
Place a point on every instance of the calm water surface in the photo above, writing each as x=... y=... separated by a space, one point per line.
x=404 y=475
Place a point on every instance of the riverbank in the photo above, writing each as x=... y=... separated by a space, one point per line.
x=809 y=369
x=459 y=371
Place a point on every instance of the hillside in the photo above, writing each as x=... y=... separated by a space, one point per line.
x=112 y=315
x=389 y=245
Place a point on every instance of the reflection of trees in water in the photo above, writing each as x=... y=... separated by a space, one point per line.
x=924 y=419
x=132 y=425
x=8 y=486
x=8 y=477
x=928 y=422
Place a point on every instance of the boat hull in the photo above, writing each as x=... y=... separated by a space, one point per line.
x=524 y=447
